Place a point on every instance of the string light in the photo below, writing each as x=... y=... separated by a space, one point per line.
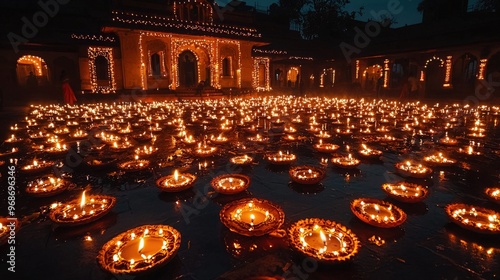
x=34 y=60
x=184 y=26
x=301 y=58
x=386 y=73
x=107 y=53
x=257 y=61
x=357 y=69
x=270 y=51
x=447 y=76
x=434 y=58
x=482 y=67
x=97 y=38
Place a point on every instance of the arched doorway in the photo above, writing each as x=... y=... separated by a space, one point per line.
x=434 y=73
x=188 y=69
x=32 y=71
x=292 y=76
x=371 y=76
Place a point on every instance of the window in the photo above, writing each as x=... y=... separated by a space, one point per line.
x=227 y=66
x=101 y=68
x=155 y=65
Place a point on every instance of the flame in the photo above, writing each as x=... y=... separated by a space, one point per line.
x=141 y=244
x=377 y=208
x=252 y=218
x=35 y=163
x=82 y=202
x=176 y=175
x=323 y=237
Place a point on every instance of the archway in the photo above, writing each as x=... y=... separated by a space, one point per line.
x=434 y=73
x=370 y=77
x=292 y=76
x=32 y=71
x=188 y=69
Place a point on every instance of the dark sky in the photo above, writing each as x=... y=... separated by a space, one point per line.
x=409 y=14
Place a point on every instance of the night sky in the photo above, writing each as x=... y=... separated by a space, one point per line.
x=408 y=16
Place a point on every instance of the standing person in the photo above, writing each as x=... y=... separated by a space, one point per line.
x=68 y=94
x=413 y=87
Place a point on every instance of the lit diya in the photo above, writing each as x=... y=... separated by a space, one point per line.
x=230 y=183
x=346 y=162
x=306 y=175
x=324 y=240
x=258 y=139
x=493 y=194
x=134 y=165
x=323 y=135
x=140 y=249
x=377 y=212
x=469 y=151
x=474 y=218
x=448 y=141
x=79 y=134
x=252 y=217
x=439 y=159
x=205 y=150
x=188 y=140
x=325 y=147
x=410 y=169
x=146 y=151
x=369 y=153
x=241 y=160
x=176 y=182
x=9 y=152
x=81 y=210
x=101 y=163
x=406 y=192
x=57 y=149
x=46 y=186
x=281 y=158
x=219 y=139
x=13 y=139
x=37 y=166
x=122 y=146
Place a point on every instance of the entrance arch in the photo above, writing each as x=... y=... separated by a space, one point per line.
x=188 y=69
x=434 y=73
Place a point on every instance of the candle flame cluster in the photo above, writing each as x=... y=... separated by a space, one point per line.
x=474 y=218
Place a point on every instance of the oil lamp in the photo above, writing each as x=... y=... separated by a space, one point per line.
x=204 y=150
x=468 y=151
x=230 y=183
x=258 y=139
x=252 y=216
x=281 y=158
x=369 y=153
x=377 y=212
x=406 y=192
x=474 y=218
x=46 y=186
x=140 y=249
x=493 y=194
x=439 y=159
x=79 y=134
x=9 y=152
x=347 y=162
x=146 y=151
x=82 y=210
x=188 y=140
x=241 y=160
x=447 y=141
x=324 y=240
x=176 y=182
x=101 y=162
x=57 y=149
x=290 y=130
x=13 y=139
x=134 y=165
x=306 y=175
x=61 y=131
x=410 y=169
x=323 y=135
x=325 y=147
x=121 y=146
x=219 y=140
x=37 y=166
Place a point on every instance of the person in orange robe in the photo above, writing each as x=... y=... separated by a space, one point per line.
x=68 y=94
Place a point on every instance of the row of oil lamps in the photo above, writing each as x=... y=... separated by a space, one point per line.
x=143 y=248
